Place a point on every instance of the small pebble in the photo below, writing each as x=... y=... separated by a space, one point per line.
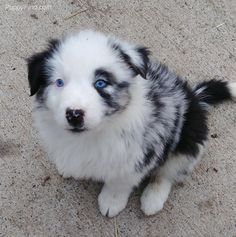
x=214 y=135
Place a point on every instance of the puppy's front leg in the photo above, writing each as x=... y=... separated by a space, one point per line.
x=114 y=197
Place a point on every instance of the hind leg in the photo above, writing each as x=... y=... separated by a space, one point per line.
x=175 y=169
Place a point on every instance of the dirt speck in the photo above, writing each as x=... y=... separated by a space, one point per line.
x=203 y=205
x=214 y=135
x=45 y=180
x=34 y=16
x=180 y=184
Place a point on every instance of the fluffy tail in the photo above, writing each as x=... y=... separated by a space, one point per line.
x=215 y=91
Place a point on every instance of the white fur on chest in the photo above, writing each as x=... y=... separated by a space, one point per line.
x=100 y=157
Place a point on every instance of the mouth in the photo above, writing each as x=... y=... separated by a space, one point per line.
x=77 y=130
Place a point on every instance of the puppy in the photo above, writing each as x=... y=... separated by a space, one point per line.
x=106 y=112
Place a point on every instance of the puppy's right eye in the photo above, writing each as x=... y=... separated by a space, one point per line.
x=59 y=83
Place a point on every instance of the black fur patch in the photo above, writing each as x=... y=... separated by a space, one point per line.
x=143 y=52
x=154 y=97
x=123 y=85
x=148 y=155
x=108 y=99
x=169 y=143
x=110 y=79
x=213 y=91
x=112 y=99
x=195 y=130
x=37 y=75
x=105 y=75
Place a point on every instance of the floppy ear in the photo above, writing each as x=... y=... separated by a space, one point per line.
x=136 y=57
x=37 y=75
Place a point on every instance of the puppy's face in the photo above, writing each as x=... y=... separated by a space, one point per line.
x=85 y=78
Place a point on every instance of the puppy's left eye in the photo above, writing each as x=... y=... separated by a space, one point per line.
x=59 y=83
x=100 y=84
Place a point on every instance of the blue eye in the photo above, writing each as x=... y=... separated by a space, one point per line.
x=59 y=83
x=100 y=84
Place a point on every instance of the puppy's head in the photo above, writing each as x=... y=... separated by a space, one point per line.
x=85 y=78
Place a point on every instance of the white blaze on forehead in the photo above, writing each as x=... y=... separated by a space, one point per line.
x=84 y=52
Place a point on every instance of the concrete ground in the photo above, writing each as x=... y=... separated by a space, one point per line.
x=196 y=38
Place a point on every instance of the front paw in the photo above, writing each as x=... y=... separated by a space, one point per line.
x=111 y=202
x=155 y=196
x=151 y=201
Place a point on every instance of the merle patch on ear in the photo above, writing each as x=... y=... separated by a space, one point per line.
x=137 y=58
x=37 y=76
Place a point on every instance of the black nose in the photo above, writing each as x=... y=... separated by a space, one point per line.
x=75 y=117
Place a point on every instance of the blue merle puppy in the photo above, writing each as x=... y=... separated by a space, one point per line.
x=106 y=112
